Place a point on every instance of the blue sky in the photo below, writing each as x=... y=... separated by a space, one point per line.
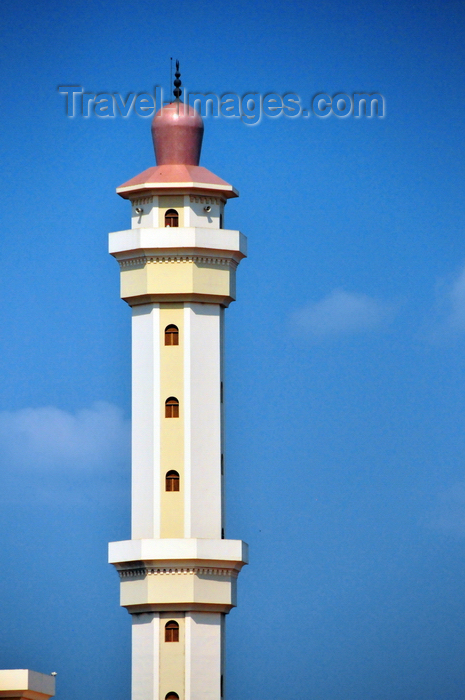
x=345 y=349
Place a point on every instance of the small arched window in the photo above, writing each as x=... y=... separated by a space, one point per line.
x=172 y=408
x=171 y=335
x=172 y=481
x=172 y=218
x=172 y=696
x=171 y=632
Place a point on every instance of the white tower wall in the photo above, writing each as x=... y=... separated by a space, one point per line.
x=145 y=655
x=203 y=429
x=145 y=421
x=204 y=655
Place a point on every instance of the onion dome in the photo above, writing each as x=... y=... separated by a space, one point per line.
x=177 y=131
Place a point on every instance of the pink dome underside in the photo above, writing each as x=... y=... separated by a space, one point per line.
x=177 y=132
x=176 y=173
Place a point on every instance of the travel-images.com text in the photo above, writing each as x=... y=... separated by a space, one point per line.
x=250 y=108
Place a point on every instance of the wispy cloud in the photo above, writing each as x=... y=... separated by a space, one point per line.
x=52 y=440
x=456 y=318
x=448 y=515
x=343 y=312
x=446 y=319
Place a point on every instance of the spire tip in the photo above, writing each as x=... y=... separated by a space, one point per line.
x=177 y=92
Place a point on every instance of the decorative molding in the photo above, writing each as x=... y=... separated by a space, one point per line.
x=151 y=259
x=181 y=298
x=205 y=200
x=183 y=570
x=137 y=608
x=141 y=200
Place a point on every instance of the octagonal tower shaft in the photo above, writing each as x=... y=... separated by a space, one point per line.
x=178 y=572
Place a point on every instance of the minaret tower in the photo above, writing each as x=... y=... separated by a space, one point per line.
x=178 y=267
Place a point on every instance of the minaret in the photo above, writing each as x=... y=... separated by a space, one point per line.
x=178 y=267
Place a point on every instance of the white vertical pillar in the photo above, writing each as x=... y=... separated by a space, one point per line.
x=187 y=211
x=202 y=398
x=188 y=656
x=223 y=424
x=145 y=421
x=203 y=656
x=145 y=656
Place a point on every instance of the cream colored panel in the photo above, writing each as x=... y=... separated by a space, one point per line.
x=166 y=202
x=172 y=658
x=145 y=422
x=214 y=279
x=175 y=588
x=133 y=281
x=172 y=429
x=172 y=511
x=178 y=277
x=24 y=683
x=145 y=656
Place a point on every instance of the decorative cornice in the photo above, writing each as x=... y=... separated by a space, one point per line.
x=183 y=570
x=198 y=199
x=152 y=259
x=138 y=608
x=183 y=298
x=175 y=188
x=142 y=200
x=205 y=200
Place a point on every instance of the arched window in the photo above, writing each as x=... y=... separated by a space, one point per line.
x=171 y=335
x=172 y=218
x=171 y=632
x=172 y=408
x=172 y=481
x=172 y=696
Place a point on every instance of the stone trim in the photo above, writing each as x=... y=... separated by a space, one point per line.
x=141 y=200
x=181 y=298
x=205 y=200
x=183 y=570
x=139 y=608
x=209 y=260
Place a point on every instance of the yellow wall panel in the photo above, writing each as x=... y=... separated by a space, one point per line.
x=172 y=429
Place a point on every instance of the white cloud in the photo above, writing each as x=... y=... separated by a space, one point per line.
x=50 y=440
x=342 y=312
x=456 y=318
x=448 y=515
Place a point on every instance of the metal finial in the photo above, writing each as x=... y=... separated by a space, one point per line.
x=177 y=92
